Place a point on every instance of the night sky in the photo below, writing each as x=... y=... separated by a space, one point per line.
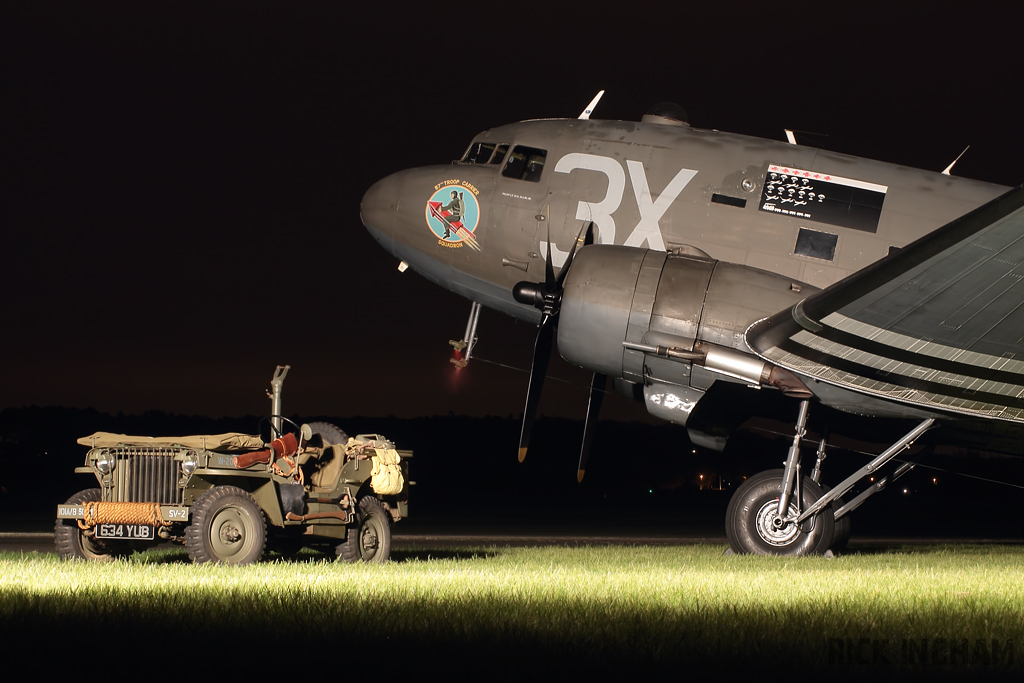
x=181 y=184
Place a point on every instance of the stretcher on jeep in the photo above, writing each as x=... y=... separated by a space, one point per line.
x=230 y=497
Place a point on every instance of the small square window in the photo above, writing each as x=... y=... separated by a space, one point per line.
x=816 y=244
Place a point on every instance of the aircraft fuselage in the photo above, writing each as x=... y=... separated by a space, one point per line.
x=807 y=214
x=698 y=237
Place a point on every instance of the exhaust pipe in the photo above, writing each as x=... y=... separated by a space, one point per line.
x=742 y=366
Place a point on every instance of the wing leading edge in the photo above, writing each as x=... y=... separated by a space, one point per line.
x=938 y=325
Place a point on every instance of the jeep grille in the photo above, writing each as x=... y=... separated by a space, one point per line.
x=146 y=475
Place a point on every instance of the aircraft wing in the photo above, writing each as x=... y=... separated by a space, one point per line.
x=938 y=325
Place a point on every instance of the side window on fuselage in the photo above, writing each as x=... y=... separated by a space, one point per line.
x=525 y=163
x=816 y=244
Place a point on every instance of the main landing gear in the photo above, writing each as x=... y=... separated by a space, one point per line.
x=782 y=512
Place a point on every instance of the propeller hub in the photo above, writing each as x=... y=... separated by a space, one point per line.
x=530 y=293
x=537 y=294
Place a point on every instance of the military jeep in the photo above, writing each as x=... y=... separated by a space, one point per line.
x=228 y=498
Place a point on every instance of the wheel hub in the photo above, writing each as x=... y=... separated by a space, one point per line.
x=771 y=527
x=369 y=539
x=229 y=534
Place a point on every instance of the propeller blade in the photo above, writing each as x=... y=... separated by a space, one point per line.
x=549 y=269
x=548 y=300
x=541 y=356
x=597 y=386
x=580 y=239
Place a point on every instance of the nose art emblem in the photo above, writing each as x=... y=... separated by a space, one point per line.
x=453 y=213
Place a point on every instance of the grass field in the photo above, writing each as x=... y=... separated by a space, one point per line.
x=935 y=610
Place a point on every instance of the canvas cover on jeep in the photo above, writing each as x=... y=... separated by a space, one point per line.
x=231 y=441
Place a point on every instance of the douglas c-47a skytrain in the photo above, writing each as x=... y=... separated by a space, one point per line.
x=681 y=263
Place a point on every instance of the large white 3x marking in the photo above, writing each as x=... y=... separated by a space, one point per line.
x=651 y=208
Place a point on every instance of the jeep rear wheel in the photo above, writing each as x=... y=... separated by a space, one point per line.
x=227 y=527
x=369 y=539
x=74 y=543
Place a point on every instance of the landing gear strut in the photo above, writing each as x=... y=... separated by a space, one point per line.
x=781 y=512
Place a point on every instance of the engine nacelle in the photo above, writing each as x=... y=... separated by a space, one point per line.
x=649 y=298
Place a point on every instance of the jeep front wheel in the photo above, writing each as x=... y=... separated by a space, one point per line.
x=74 y=543
x=227 y=527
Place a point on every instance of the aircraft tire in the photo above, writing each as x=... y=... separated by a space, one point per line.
x=752 y=507
x=369 y=539
x=227 y=527
x=842 y=534
x=330 y=433
x=73 y=544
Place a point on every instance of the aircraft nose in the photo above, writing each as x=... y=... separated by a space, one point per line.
x=379 y=210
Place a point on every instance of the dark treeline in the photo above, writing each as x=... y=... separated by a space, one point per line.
x=466 y=468
x=455 y=456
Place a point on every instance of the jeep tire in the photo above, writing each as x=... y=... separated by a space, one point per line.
x=227 y=527
x=369 y=538
x=74 y=543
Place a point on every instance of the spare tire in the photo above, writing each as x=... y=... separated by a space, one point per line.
x=331 y=434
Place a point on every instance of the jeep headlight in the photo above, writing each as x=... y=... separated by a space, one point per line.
x=105 y=463
x=189 y=463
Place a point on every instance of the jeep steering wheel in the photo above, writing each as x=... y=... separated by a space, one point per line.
x=274 y=432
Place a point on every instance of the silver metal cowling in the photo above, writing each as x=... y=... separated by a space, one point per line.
x=616 y=294
x=596 y=304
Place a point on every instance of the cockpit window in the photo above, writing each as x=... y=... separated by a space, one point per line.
x=499 y=155
x=525 y=163
x=485 y=153
x=478 y=153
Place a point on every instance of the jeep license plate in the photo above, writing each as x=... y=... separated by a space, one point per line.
x=127 y=532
